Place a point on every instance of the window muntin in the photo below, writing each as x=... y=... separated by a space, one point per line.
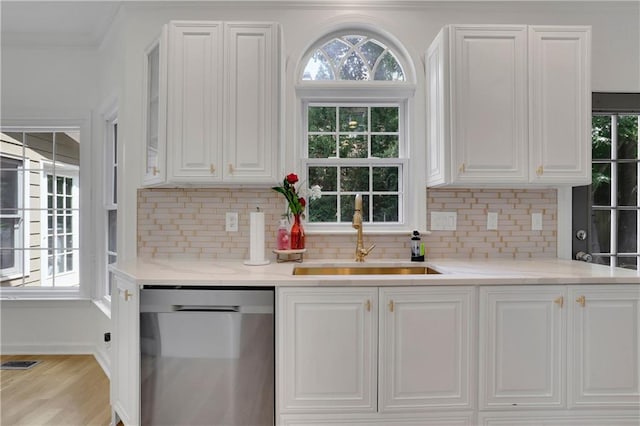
x=353 y=57
x=45 y=156
x=355 y=148
x=614 y=190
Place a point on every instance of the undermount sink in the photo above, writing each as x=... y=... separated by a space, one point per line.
x=364 y=270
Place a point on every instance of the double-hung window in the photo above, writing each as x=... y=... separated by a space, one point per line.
x=40 y=209
x=354 y=100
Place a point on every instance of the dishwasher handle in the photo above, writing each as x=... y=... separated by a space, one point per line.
x=204 y=308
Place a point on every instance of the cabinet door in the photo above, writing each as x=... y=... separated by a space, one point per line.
x=522 y=335
x=125 y=375
x=155 y=111
x=327 y=350
x=560 y=105
x=426 y=348
x=252 y=94
x=604 y=367
x=195 y=101
x=489 y=110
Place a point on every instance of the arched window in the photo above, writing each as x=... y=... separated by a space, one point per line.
x=353 y=57
x=354 y=130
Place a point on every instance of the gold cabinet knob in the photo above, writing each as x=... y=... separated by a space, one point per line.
x=540 y=171
x=391 y=306
x=581 y=301
x=230 y=168
x=461 y=168
x=559 y=301
x=367 y=305
x=212 y=168
x=127 y=295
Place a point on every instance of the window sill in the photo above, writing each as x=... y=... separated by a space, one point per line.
x=366 y=231
x=104 y=306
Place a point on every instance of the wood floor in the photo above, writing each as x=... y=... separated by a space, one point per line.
x=62 y=390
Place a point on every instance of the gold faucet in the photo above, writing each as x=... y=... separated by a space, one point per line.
x=361 y=252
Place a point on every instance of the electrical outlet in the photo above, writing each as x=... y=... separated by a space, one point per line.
x=231 y=222
x=536 y=221
x=444 y=221
x=492 y=221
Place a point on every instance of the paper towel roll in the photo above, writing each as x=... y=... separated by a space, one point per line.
x=256 y=239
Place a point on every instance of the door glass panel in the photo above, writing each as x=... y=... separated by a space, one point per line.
x=628 y=262
x=601 y=241
x=628 y=137
x=601 y=184
x=627 y=231
x=627 y=184
x=602 y=260
x=601 y=137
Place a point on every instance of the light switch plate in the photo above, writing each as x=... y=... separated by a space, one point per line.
x=231 y=222
x=492 y=221
x=536 y=221
x=444 y=221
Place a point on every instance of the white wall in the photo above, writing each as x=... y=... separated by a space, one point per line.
x=63 y=82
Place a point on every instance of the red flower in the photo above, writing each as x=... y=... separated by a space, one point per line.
x=292 y=178
x=302 y=201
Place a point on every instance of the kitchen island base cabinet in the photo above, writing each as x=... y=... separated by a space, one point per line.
x=431 y=419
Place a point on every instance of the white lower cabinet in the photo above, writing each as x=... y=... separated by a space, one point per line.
x=604 y=351
x=344 y=358
x=125 y=368
x=572 y=348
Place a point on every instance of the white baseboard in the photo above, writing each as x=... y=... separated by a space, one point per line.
x=99 y=353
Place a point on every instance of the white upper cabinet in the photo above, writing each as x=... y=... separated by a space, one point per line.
x=508 y=105
x=560 y=105
x=223 y=103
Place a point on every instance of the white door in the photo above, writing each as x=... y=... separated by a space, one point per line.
x=489 y=110
x=426 y=348
x=252 y=93
x=327 y=350
x=125 y=378
x=604 y=367
x=195 y=96
x=522 y=346
x=560 y=105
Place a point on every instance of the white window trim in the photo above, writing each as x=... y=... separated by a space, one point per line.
x=111 y=165
x=368 y=92
x=64 y=279
x=80 y=121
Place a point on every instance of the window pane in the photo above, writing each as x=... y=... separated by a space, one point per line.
x=318 y=68
x=347 y=208
x=601 y=184
x=388 y=69
x=353 y=119
x=385 y=179
x=352 y=146
x=8 y=239
x=7 y=257
x=112 y=259
x=602 y=260
x=112 y=221
x=384 y=146
x=354 y=68
x=69 y=257
x=384 y=119
x=627 y=184
x=627 y=231
x=323 y=209
x=322 y=146
x=385 y=208
x=628 y=262
x=59 y=187
x=325 y=177
x=322 y=119
x=354 y=179
x=336 y=50
x=628 y=137
x=602 y=224
x=371 y=51
x=601 y=136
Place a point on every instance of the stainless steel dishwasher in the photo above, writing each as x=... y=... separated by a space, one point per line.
x=207 y=356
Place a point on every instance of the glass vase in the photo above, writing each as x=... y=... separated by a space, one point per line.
x=296 y=235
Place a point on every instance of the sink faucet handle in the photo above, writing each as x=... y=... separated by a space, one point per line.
x=369 y=249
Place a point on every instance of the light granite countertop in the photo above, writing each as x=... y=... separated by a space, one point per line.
x=186 y=272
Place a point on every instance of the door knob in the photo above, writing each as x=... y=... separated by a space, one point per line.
x=581 y=235
x=585 y=257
